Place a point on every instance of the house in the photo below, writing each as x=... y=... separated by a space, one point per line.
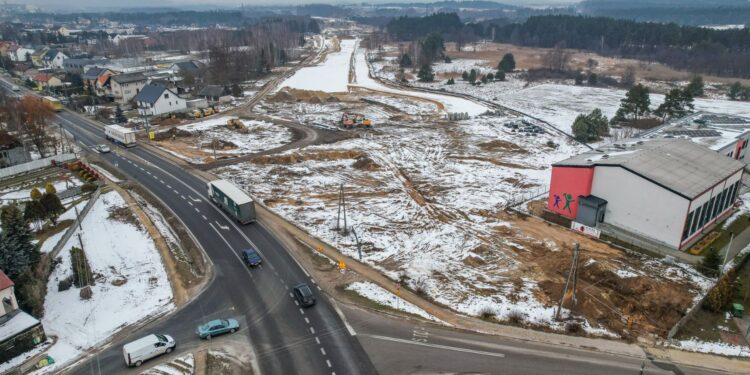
x=46 y=80
x=12 y=151
x=19 y=331
x=66 y=32
x=119 y=38
x=78 y=66
x=661 y=193
x=37 y=57
x=191 y=67
x=20 y=53
x=215 y=94
x=126 y=86
x=97 y=79
x=53 y=59
x=155 y=100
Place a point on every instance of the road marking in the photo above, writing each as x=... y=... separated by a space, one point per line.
x=312 y=330
x=181 y=196
x=317 y=340
x=436 y=346
x=204 y=217
x=343 y=318
x=323 y=351
x=328 y=362
x=308 y=322
x=155 y=178
x=160 y=180
x=291 y=295
x=296 y=302
x=302 y=311
x=223 y=227
x=194 y=199
x=197 y=210
x=169 y=186
x=191 y=203
x=147 y=172
x=419 y=334
x=230 y=248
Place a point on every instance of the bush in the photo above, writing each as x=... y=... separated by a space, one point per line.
x=718 y=298
x=420 y=286
x=573 y=327
x=516 y=317
x=82 y=275
x=65 y=284
x=86 y=293
x=88 y=187
x=487 y=313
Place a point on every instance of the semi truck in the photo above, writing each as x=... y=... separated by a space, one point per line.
x=232 y=200
x=120 y=135
x=55 y=104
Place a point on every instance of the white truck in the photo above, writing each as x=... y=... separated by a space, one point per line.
x=120 y=135
x=145 y=348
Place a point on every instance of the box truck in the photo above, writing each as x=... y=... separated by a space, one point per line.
x=120 y=135
x=232 y=200
x=55 y=104
x=145 y=348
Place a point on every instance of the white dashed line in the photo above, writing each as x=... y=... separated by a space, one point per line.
x=317 y=340
x=197 y=210
x=148 y=173
x=204 y=217
x=328 y=362
x=191 y=203
x=307 y=320
x=181 y=196
x=296 y=303
x=168 y=186
x=312 y=330
x=323 y=351
x=302 y=311
x=291 y=295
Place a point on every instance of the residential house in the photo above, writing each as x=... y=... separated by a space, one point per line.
x=192 y=67
x=156 y=99
x=19 y=331
x=12 y=151
x=37 y=57
x=97 y=79
x=20 y=53
x=66 y=32
x=215 y=94
x=126 y=86
x=53 y=59
x=46 y=80
x=78 y=66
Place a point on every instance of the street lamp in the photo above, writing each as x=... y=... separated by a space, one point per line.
x=359 y=244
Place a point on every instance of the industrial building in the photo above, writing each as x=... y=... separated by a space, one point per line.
x=664 y=192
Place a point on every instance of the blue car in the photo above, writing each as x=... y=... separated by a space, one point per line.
x=217 y=327
x=251 y=257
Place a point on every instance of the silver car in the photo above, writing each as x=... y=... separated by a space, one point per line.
x=103 y=149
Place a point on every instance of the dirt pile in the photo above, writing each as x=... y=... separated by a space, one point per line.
x=294 y=95
x=503 y=146
x=298 y=157
x=364 y=163
x=171 y=134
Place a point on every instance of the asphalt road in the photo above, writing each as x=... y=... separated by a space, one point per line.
x=286 y=338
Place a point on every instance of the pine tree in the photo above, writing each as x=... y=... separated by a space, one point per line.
x=20 y=252
x=236 y=91
x=500 y=75
x=695 y=87
x=636 y=102
x=425 y=73
x=472 y=76
x=52 y=207
x=465 y=76
x=451 y=81
x=507 y=64
x=49 y=188
x=677 y=103
x=593 y=79
x=405 y=61
x=120 y=115
x=710 y=263
x=34 y=212
x=735 y=90
x=590 y=127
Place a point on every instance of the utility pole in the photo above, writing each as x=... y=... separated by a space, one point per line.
x=573 y=274
x=726 y=255
x=359 y=244
x=341 y=210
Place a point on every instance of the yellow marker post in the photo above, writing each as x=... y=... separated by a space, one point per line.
x=342 y=265
x=151 y=135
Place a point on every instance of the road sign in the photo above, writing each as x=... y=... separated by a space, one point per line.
x=151 y=135
x=342 y=265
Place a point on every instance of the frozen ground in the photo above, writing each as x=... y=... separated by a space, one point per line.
x=721 y=348
x=332 y=75
x=383 y=297
x=24 y=193
x=118 y=253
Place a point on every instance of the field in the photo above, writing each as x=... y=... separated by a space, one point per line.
x=428 y=199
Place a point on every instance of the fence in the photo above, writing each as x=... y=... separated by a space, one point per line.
x=36 y=164
x=71 y=229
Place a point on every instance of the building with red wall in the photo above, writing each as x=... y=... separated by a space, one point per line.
x=667 y=192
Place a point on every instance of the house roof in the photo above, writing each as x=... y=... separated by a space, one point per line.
x=128 y=78
x=43 y=77
x=16 y=323
x=212 y=91
x=187 y=65
x=93 y=73
x=150 y=93
x=102 y=80
x=5 y=281
x=686 y=168
x=51 y=53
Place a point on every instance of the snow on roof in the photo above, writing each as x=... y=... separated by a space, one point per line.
x=680 y=165
x=710 y=130
x=233 y=192
x=20 y=322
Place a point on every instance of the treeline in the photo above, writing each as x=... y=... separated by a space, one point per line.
x=703 y=12
x=173 y=17
x=718 y=52
x=410 y=28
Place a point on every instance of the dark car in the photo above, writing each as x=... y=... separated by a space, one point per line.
x=251 y=257
x=304 y=295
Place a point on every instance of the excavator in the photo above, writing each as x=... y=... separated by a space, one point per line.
x=355 y=120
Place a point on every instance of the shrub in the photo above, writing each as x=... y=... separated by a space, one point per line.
x=487 y=312
x=82 y=275
x=86 y=293
x=573 y=327
x=65 y=284
x=88 y=187
x=516 y=317
x=420 y=286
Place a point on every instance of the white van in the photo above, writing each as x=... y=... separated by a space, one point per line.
x=148 y=347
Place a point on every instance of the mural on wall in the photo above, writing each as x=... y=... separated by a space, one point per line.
x=567 y=184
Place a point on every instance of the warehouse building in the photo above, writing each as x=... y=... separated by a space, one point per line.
x=665 y=192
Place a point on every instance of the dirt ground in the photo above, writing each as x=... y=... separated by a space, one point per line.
x=532 y=58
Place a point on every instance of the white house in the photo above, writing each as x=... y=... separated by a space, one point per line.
x=154 y=100
x=20 y=54
x=53 y=59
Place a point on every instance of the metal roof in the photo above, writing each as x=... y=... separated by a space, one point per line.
x=680 y=165
x=234 y=193
x=127 y=78
x=150 y=93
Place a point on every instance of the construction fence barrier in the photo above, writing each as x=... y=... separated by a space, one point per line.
x=35 y=164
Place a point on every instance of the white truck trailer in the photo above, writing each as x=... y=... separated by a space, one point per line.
x=120 y=135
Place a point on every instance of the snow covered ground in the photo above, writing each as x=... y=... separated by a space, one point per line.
x=332 y=75
x=721 y=348
x=383 y=297
x=117 y=252
x=24 y=194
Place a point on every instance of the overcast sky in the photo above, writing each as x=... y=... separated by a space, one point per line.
x=99 y=4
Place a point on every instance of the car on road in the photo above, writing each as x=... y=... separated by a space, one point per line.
x=217 y=327
x=138 y=351
x=304 y=295
x=251 y=258
x=15 y=88
x=103 y=149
